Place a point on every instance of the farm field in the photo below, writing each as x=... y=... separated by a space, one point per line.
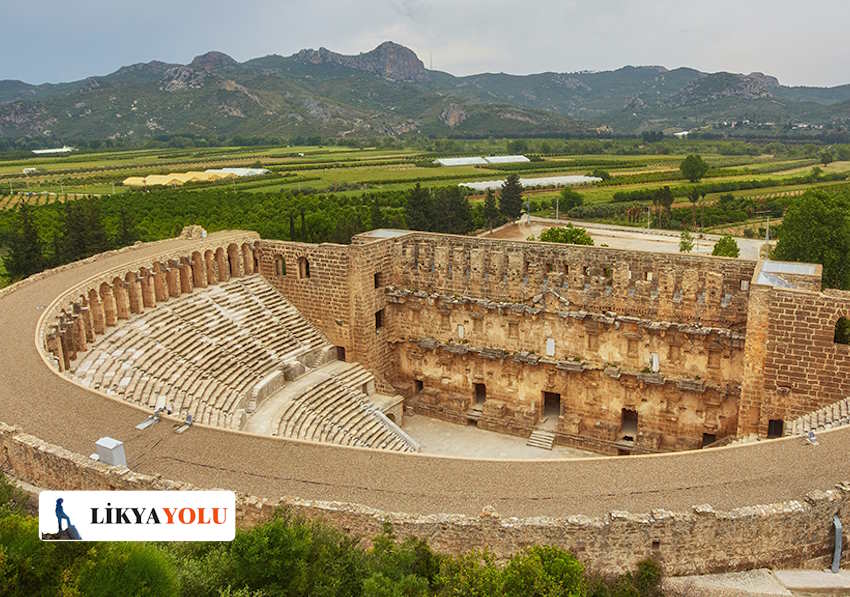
x=328 y=192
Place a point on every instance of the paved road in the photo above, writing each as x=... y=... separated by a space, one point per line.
x=50 y=407
x=625 y=237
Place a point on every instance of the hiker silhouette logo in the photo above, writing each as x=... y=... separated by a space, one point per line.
x=69 y=533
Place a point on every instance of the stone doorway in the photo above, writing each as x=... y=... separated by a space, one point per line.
x=480 y=393
x=628 y=425
x=551 y=405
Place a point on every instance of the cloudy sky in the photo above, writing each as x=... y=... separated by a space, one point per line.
x=800 y=42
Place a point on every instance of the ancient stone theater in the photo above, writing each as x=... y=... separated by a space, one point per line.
x=289 y=373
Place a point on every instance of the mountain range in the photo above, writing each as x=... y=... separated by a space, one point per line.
x=389 y=92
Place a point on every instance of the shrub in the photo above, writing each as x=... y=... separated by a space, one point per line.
x=568 y=234
x=543 y=570
x=127 y=569
x=726 y=247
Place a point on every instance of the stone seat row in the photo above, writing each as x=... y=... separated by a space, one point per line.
x=831 y=415
x=334 y=412
x=200 y=354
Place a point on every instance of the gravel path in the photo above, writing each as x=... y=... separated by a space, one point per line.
x=50 y=407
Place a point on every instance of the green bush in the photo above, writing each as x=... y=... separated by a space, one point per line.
x=126 y=569
x=568 y=234
x=726 y=247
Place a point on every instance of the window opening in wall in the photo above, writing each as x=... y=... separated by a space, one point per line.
x=480 y=393
x=648 y=276
x=379 y=282
x=745 y=284
x=713 y=359
x=775 y=428
x=567 y=269
x=279 y=266
x=460 y=331
x=608 y=272
x=418 y=385
x=340 y=353
x=551 y=404
x=379 y=319
x=654 y=362
x=628 y=425
x=303 y=267
x=842 y=331
x=708 y=439
x=550 y=347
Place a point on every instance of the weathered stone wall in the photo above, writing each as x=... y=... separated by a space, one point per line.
x=710 y=291
x=702 y=540
x=799 y=367
x=340 y=296
x=672 y=415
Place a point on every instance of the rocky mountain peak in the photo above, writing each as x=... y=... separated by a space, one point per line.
x=389 y=59
x=211 y=61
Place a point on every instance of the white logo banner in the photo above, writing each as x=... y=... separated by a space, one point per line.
x=137 y=515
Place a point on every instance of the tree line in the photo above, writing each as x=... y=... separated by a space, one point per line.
x=42 y=236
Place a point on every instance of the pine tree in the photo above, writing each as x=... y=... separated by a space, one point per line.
x=377 y=217
x=510 y=200
x=491 y=209
x=416 y=210
x=24 y=257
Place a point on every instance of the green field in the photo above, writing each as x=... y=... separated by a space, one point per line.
x=328 y=193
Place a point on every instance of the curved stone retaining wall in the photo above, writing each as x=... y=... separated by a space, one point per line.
x=702 y=540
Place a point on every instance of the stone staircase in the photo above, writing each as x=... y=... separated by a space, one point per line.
x=831 y=415
x=541 y=438
x=474 y=414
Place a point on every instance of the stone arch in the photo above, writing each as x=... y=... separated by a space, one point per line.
x=97 y=315
x=199 y=271
x=134 y=292
x=172 y=279
x=160 y=283
x=247 y=259
x=146 y=281
x=185 y=271
x=122 y=301
x=108 y=300
x=235 y=258
x=841 y=334
x=303 y=267
x=223 y=265
x=210 y=265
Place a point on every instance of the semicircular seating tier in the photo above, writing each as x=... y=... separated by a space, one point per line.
x=231 y=355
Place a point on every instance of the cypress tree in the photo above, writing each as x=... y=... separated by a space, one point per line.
x=127 y=233
x=457 y=209
x=491 y=209
x=24 y=257
x=74 y=245
x=377 y=218
x=510 y=200
x=95 y=232
x=416 y=210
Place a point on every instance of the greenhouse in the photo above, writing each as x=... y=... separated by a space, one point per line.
x=547 y=181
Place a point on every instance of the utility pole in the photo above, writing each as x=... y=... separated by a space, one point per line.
x=556 y=207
